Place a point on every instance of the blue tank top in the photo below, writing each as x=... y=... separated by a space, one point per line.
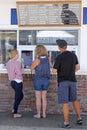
x=43 y=69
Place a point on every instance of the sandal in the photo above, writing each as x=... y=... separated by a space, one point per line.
x=43 y=116
x=37 y=116
x=12 y=111
x=17 y=115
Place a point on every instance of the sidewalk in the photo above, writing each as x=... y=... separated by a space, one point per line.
x=28 y=122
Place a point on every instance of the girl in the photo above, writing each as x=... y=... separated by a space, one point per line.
x=15 y=76
x=41 y=79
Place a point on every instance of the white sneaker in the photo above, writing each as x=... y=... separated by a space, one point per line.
x=17 y=115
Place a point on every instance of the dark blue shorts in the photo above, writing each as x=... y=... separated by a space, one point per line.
x=67 y=92
x=41 y=84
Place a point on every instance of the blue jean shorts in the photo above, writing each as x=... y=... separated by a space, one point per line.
x=41 y=84
x=67 y=92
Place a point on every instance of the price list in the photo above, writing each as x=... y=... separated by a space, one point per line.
x=49 y=14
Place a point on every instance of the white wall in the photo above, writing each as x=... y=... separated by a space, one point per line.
x=5 y=12
x=83 y=48
x=83 y=43
x=84 y=2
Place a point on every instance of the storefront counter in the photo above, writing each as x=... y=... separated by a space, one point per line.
x=28 y=71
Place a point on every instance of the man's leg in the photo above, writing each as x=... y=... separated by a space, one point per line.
x=63 y=98
x=77 y=109
x=65 y=108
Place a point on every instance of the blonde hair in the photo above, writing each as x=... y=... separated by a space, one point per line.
x=40 y=50
x=12 y=54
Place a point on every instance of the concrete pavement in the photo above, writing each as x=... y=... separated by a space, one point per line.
x=28 y=122
x=31 y=128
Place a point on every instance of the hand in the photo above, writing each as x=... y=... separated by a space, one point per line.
x=22 y=60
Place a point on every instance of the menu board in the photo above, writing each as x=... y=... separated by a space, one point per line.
x=49 y=13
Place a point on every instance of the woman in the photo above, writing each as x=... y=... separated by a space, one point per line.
x=15 y=71
x=41 y=79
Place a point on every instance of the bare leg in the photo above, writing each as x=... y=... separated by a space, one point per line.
x=38 y=103
x=77 y=109
x=65 y=108
x=44 y=103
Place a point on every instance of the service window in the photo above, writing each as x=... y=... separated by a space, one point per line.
x=27 y=57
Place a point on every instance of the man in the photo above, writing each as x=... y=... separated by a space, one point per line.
x=65 y=66
x=27 y=56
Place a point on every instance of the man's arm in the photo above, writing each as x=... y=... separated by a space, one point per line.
x=77 y=67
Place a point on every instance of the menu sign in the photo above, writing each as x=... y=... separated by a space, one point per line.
x=51 y=13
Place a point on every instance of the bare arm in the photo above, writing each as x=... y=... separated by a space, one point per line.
x=77 y=67
x=34 y=64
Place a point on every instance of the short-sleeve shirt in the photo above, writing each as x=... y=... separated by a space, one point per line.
x=65 y=65
x=27 y=59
